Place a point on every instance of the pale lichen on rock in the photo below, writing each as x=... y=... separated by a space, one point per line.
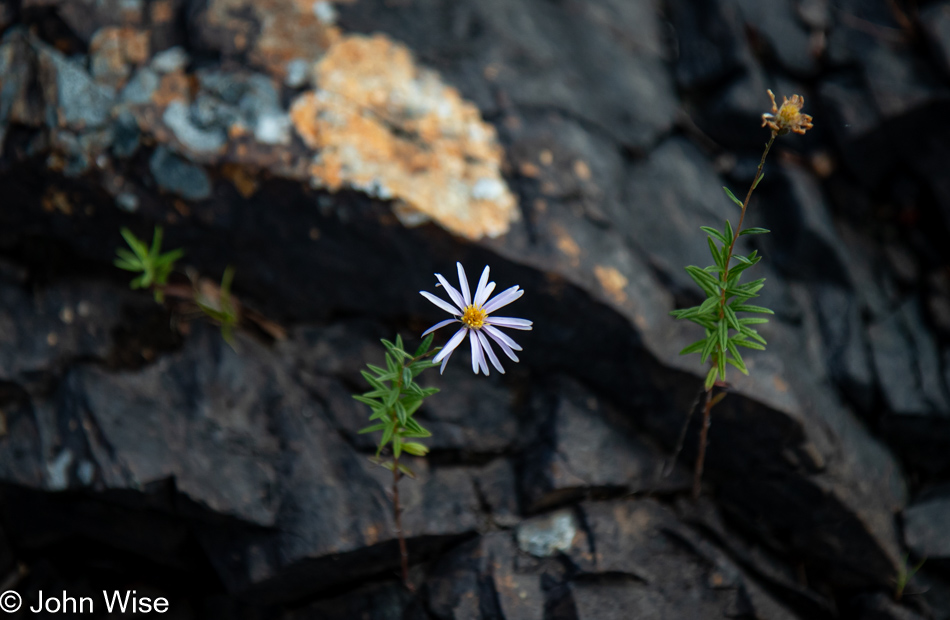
x=373 y=120
x=383 y=125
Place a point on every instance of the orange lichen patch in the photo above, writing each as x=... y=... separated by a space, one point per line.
x=612 y=281
x=371 y=534
x=115 y=50
x=56 y=200
x=567 y=245
x=382 y=125
x=176 y=86
x=162 y=11
x=582 y=170
x=132 y=44
x=780 y=384
x=182 y=208
x=279 y=31
x=241 y=178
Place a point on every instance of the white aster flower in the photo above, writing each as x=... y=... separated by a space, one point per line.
x=474 y=315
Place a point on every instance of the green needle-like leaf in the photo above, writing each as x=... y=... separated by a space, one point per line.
x=716 y=253
x=371 y=429
x=732 y=196
x=696 y=347
x=715 y=233
x=749 y=308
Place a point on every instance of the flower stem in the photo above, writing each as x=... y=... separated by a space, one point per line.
x=397 y=514
x=708 y=401
x=745 y=205
x=703 y=434
x=397 y=509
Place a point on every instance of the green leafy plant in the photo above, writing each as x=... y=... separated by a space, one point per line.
x=154 y=268
x=904 y=575
x=221 y=307
x=149 y=262
x=724 y=313
x=394 y=399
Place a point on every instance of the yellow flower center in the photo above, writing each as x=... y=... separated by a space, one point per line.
x=788 y=115
x=474 y=317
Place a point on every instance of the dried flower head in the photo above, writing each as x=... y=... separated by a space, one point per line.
x=787 y=118
x=474 y=313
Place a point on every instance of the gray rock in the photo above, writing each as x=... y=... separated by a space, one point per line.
x=484 y=579
x=609 y=72
x=669 y=196
x=170 y=60
x=901 y=342
x=711 y=45
x=640 y=561
x=925 y=528
x=777 y=23
x=935 y=20
x=140 y=87
x=76 y=99
x=548 y=535
x=879 y=606
x=845 y=343
x=855 y=124
x=193 y=138
x=805 y=243
x=176 y=175
x=583 y=445
x=42 y=332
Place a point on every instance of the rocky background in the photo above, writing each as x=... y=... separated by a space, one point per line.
x=337 y=154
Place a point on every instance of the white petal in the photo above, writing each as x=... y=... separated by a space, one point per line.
x=441 y=303
x=438 y=325
x=480 y=299
x=478 y=358
x=500 y=336
x=503 y=299
x=491 y=354
x=463 y=282
x=444 y=362
x=506 y=321
x=504 y=347
x=480 y=289
x=453 y=293
x=453 y=342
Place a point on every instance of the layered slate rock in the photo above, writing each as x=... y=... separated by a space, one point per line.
x=584 y=446
x=606 y=67
x=237 y=437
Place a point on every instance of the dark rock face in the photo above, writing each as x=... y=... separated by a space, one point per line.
x=576 y=147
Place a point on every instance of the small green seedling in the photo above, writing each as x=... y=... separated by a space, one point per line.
x=221 y=308
x=150 y=263
x=904 y=575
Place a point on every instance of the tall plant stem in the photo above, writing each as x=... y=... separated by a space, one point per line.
x=703 y=434
x=397 y=509
x=708 y=401
x=397 y=515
